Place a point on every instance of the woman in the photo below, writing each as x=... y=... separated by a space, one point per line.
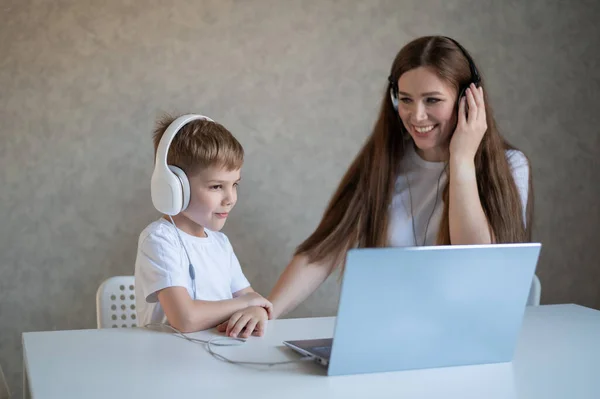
x=435 y=171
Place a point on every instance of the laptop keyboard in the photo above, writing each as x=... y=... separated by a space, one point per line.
x=323 y=351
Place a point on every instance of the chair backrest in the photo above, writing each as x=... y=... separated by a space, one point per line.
x=115 y=303
x=535 y=292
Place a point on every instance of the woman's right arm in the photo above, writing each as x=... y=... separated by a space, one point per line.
x=296 y=283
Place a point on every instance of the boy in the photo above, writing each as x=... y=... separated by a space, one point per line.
x=186 y=271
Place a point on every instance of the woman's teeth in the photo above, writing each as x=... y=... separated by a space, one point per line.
x=424 y=129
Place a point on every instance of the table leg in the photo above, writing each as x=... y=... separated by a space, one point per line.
x=26 y=393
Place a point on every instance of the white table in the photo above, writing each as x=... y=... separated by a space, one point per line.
x=558 y=356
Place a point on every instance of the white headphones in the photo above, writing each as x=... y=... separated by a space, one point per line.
x=170 y=187
x=394 y=99
x=393 y=92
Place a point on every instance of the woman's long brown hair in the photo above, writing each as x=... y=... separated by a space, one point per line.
x=358 y=213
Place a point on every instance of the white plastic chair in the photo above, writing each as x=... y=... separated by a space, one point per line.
x=535 y=292
x=115 y=303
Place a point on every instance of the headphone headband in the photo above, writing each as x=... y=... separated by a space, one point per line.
x=474 y=73
x=167 y=138
x=170 y=186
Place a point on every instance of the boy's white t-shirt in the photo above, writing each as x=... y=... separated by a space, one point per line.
x=423 y=179
x=161 y=262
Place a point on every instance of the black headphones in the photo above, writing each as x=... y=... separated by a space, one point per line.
x=475 y=78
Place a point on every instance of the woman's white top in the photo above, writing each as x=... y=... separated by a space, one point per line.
x=426 y=195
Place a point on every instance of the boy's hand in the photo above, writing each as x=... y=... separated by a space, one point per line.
x=255 y=299
x=252 y=320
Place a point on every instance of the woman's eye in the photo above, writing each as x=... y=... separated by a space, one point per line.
x=432 y=100
x=215 y=187
x=406 y=100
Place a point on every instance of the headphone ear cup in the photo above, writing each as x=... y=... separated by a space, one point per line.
x=461 y=94
x=166 y=191
x=184 y=186
x=394 y=98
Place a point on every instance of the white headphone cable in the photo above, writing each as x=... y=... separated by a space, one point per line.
x=191 y=269
x=432 y=211
x=220 y=341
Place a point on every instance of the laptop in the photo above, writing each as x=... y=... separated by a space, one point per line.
x=427 y=307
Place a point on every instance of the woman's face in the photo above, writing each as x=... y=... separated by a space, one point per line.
x=426 y=105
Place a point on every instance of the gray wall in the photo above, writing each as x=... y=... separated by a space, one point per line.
x=299 y=83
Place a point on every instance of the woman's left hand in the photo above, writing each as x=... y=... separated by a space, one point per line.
x=469 y=129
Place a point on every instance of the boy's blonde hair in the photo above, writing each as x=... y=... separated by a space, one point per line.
x=200 y=144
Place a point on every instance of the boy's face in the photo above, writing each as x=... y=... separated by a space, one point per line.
x=213 y=194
